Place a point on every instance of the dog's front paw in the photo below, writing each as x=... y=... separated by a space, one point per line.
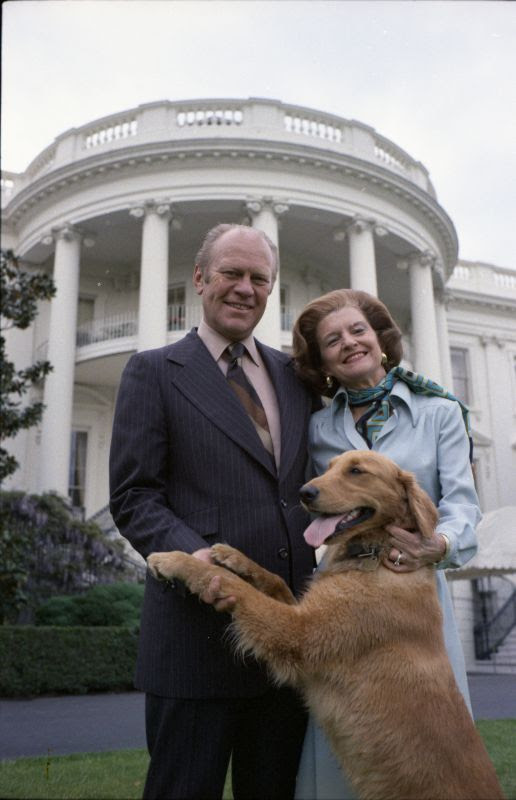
x=229 y=557
x=163 y=565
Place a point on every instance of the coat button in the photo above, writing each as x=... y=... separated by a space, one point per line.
x=283 y=552
x=283 y=503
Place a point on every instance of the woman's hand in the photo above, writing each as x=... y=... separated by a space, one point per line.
x=410 y=550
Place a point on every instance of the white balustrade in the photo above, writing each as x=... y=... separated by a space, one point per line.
x=461 y=273
x=504 y=280
x=117 y=326
x=209 y=116
x=481 y=277
x=390 y=155
x=251 y=119
x=111 y=132
x=42 y=162
x=181 y=317
x=313 y=126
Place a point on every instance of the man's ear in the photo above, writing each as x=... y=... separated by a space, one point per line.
x=198 y=280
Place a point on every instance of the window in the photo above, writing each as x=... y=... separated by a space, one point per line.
x=77 y=473
x=176 y=315
x=459 y=365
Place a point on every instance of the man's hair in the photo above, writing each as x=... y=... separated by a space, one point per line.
x=306 y=352
x=203 y=257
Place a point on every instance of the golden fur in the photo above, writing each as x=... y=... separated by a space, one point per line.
x=364 y=644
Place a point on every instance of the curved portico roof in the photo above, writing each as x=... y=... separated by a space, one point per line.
x=234 y=136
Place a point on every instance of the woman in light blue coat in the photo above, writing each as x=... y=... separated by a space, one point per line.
x=348 y=347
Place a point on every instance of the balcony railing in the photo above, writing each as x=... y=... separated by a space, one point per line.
x=180 y=319
x=118 y=326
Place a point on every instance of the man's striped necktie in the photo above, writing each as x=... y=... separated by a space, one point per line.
x=247 y=395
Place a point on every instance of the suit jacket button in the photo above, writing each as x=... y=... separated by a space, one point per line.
x=283 y=552
x=283 y=503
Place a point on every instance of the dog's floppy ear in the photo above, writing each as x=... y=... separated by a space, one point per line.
x=422 y=509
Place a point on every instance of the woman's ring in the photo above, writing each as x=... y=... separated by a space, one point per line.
x=398 y=560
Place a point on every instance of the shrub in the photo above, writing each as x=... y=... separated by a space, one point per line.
x=108 y=604
x=45 y=551
x=43 y=660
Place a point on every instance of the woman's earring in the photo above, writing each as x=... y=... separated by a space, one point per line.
x=329 y=382
x=385 y=360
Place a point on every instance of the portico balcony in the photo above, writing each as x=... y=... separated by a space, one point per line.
x=118 y=333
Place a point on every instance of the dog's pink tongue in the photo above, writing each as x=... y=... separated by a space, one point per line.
x=320 y=529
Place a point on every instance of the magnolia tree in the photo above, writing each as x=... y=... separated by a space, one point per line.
x=20 y=292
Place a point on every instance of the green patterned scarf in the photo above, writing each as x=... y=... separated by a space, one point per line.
x=378 y=397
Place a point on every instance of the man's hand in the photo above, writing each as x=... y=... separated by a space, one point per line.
x=204 y=555
x=214 y=596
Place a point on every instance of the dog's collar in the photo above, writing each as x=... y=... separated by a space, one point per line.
x=361 y=550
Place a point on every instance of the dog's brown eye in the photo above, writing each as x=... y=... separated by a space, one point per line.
x=355 y=471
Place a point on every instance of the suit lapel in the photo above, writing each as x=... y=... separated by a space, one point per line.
x=292 y=405
x=201 y=381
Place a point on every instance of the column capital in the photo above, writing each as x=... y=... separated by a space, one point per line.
x=360 y=224
x=486 y=340
x=163 y=208
x=67 y=233
x=443 y=296
x=255 y=205
x=425 y=258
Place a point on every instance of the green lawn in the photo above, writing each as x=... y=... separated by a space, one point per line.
x=120 y=775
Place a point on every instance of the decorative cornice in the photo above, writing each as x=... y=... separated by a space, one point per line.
x=344 y=166
x=457 y=298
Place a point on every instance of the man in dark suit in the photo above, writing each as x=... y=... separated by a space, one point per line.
x=188 y=468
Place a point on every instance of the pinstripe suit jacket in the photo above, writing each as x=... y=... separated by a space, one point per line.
x=187 y=470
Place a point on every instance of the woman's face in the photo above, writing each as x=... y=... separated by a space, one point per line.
x=349 y=347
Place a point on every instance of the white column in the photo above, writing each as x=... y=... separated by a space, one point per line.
x=152 y=308
x=462 y=598
x=444 y=341
x=264 y=216
x=497 y=376
x=425 y=344
x=58 y=393
x=362 y=260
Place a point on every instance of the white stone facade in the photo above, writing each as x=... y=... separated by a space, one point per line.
x=117 y=209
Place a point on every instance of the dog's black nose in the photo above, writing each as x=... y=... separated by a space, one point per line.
x=308 y=493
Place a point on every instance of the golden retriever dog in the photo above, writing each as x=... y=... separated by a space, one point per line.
x=364 y=644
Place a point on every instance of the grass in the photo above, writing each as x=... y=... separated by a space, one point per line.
x=120 y=775
x=499 y=736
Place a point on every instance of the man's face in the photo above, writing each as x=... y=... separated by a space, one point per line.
x=236 y=284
